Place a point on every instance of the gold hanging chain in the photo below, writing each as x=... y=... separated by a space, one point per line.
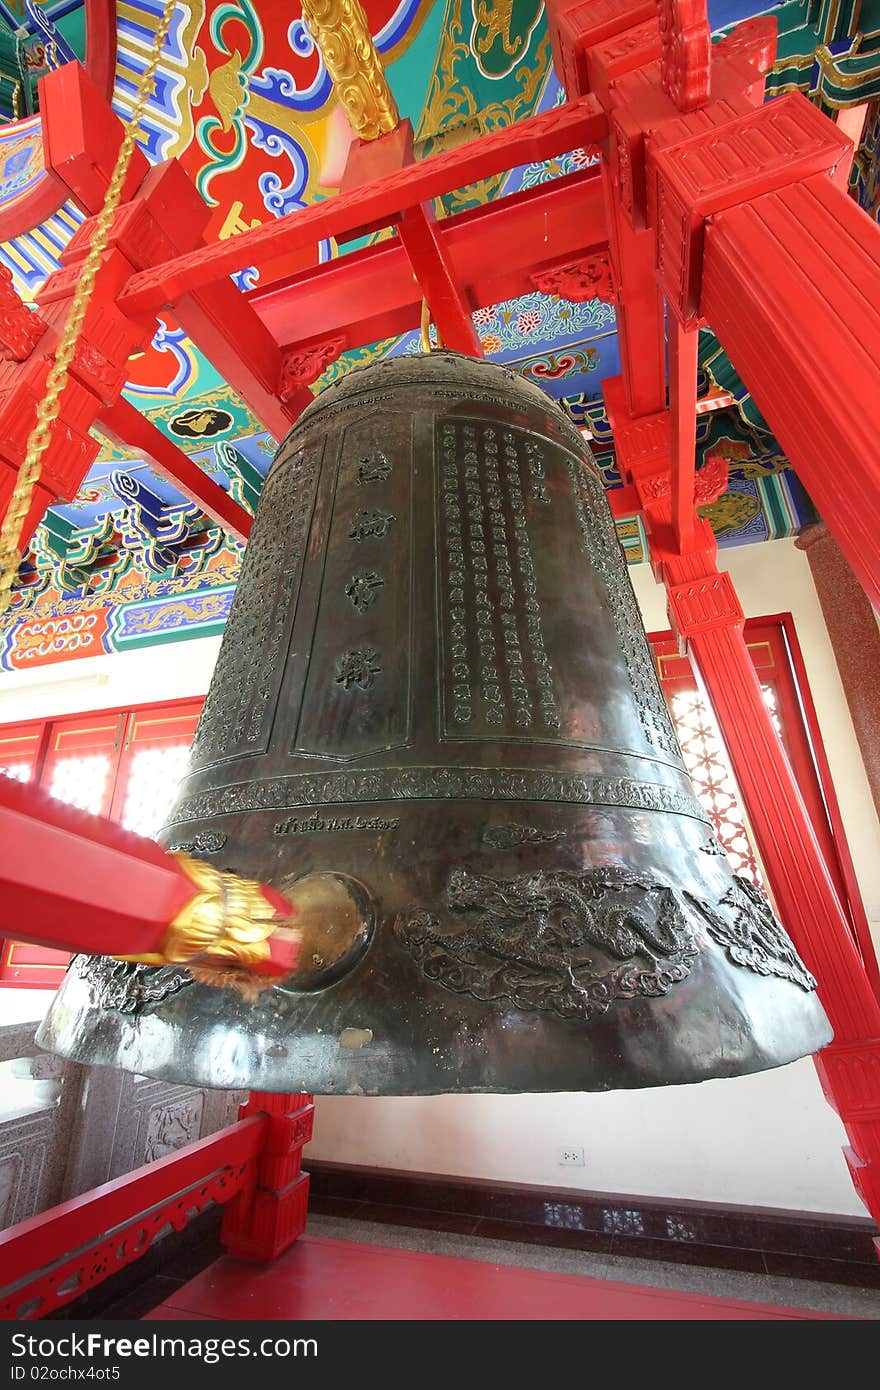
x=425 y=329
x=56 y=379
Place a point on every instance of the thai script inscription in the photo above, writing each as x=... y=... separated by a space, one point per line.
x=497 y=672
x=326 y=825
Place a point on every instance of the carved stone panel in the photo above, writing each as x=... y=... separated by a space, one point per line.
x=172 y=1124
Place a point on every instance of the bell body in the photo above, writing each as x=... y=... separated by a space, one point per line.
x=435 y=721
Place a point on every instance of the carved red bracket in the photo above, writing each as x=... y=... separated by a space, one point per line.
x=20 y=328
x=710 y=482
x=579 y=281
x=686 y=52
x=304 y=365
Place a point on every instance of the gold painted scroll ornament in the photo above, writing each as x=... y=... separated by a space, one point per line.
x=340 y=29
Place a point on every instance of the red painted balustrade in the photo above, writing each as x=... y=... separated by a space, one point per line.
x=252 y=1169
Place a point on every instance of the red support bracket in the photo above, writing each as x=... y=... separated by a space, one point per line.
x=270 y=1213
x=81 y=138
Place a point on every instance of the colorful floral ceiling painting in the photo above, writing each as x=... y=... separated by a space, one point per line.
x=244 y=101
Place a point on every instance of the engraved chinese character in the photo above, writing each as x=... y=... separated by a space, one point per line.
x=363 y=589
x=373 y=468
x=358 y=667
x=370 y=525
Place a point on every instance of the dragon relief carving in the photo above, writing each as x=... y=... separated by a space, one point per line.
x=562 y=942
x=127 y=987
x=745 y=925
x=571 y=943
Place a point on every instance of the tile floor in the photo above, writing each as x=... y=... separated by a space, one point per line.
x=804 y=1294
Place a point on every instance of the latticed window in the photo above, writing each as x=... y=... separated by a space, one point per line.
x=125 y=764
x=19 y=772
x=706 y=759
x=81 y=780
x=153 y=776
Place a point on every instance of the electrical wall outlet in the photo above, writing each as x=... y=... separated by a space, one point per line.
x=570 y=1157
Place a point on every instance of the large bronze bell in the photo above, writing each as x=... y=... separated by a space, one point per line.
x=435 y=719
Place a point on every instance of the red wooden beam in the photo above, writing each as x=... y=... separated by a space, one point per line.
x=165 y=217
x=683 y=345
x=82 y=883
x=493 y=252
x=799 y=266
x=538 y=138
x=48 y=194
x=126 y=426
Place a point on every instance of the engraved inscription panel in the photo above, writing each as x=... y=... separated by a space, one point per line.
x=357 y=694
x=240 y=706
x=497 y=676
x=520 y=651
x=601 y=546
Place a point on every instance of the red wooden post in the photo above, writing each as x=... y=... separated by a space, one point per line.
x=683 y=421
x=442 y=291
x=270 y=1213
x=707 y=617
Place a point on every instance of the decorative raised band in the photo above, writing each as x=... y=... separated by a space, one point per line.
x=435 y=784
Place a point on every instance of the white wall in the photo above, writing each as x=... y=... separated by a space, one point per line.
x=171 y=671
x=767 y=1140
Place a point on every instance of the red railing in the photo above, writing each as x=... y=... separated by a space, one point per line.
x=253 y=1168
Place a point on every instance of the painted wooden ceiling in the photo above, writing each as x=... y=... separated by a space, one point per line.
x=244 y=101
